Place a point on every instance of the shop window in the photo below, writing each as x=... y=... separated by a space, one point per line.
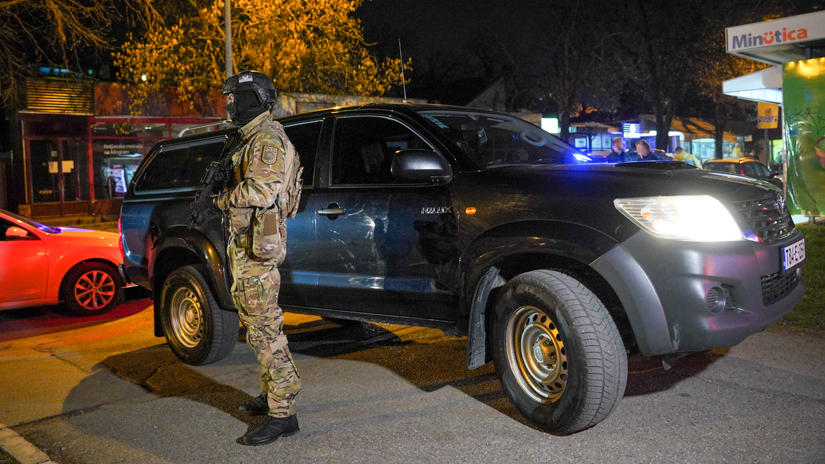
x=115 y=162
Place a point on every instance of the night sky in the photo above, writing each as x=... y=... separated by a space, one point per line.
x=443 y=38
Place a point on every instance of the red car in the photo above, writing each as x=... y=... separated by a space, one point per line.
x=42 y=265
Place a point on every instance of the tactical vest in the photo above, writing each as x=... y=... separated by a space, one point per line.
x=265 y=237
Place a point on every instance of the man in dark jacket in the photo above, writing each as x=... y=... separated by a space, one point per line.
x=618 y=155
x=643 y=149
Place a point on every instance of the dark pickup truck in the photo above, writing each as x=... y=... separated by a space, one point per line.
x=480 y=224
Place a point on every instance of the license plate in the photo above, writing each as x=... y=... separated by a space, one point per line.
x=793 y=255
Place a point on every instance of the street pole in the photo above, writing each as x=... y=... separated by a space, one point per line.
x=227 y=28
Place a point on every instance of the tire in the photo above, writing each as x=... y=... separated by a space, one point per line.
x=557 y=352
x=197 y=329
x=91 y=288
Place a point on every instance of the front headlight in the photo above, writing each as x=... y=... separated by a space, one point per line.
x=695 y=218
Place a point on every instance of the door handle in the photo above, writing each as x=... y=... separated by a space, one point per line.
x=331 y=210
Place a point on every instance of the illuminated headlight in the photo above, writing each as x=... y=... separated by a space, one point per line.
x=695 y=218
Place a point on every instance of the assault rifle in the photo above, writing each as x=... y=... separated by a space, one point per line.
x=214 y=180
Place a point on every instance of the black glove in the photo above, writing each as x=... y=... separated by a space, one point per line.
x=203 y=208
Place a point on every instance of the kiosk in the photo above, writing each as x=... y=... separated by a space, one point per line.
x=795 y=47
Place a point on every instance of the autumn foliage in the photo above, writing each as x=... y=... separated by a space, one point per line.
x=315 y=47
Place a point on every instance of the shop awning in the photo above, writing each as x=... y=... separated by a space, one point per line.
x=764 y=86
x=694 y=128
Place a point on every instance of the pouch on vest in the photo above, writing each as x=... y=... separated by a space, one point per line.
x=268 y=236
x=240 y=219
x=289 y=199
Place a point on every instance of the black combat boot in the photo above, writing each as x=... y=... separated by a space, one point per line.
x=271 y=429
x=257 y=407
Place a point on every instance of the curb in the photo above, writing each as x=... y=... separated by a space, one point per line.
x=20 y=449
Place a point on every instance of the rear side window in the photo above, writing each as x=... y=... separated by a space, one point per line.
x=179 y=167
x=757 y=170
x=305 y=138
x=730 y=168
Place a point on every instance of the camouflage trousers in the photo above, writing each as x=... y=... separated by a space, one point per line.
x=255 y=292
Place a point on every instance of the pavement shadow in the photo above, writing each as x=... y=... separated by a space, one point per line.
x=425 y=359
x=648 y=375
x=434 y=364
x=158 y=371
x=28 y=322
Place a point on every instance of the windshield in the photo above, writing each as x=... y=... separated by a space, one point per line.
x=36 y=225
x=493 y=140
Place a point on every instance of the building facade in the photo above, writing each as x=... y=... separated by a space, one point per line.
x=76 y=145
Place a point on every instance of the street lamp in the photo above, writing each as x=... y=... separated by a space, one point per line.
x=227 y=15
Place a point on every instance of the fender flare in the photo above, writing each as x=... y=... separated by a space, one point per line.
x=194 y=242
x=480 y=270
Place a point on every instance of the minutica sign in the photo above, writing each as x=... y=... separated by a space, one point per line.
x=768 y=38
x=776 y=41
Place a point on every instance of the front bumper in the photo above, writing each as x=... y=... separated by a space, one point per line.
x=664 y=287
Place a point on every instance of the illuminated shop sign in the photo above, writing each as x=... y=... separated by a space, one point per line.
x=777 y=32
x=631 y=130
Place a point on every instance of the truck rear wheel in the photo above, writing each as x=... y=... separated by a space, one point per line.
x=557 y=352
x=198 y=331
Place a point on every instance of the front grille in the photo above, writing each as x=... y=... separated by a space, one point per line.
x=776 y=286
x=767 y=219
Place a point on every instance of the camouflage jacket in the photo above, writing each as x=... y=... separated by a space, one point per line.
x=259 y=169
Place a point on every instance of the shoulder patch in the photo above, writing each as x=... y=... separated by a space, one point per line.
x=269 y=154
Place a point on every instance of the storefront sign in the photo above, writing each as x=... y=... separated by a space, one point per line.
x=108 y=147
x=768 y=116
x=632 y=130
x=804 y=108
x=778 y=32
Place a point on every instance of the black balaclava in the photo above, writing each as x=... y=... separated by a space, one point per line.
x=246 y=107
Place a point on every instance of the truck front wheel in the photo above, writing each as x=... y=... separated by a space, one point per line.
x=557 y=352
x=198 y=331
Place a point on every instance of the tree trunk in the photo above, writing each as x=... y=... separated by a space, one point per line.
x=564 y=125
x=663 y=122
x=720 y=121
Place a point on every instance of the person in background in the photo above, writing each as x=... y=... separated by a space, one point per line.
x=643 y=149
x=618 y=155
x=688 y=158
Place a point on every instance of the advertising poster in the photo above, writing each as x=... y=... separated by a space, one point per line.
x=804 y=104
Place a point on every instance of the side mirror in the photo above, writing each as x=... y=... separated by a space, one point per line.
x=421 y=165
x=16 y=233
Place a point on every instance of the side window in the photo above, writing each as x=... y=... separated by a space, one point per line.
x=179 y=167
x=762 y=170
x=364 y=146
x=722 y=167
x=4 y=226
x=750 y=170
x=305 y=137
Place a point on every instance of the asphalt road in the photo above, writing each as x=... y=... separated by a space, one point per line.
x=107 y=391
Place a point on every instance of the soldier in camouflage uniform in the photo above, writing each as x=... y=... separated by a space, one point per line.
x=252 y=205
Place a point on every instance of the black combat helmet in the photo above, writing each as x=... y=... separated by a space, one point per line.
x=256 y=81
